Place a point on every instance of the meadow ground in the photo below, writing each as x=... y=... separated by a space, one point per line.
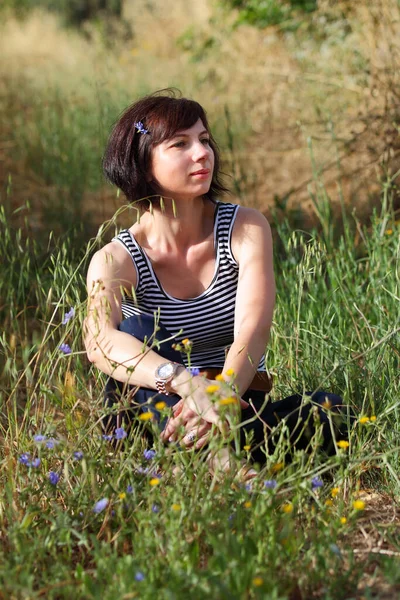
x=79 y=517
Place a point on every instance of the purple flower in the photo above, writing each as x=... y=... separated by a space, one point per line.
x=54 y=477
x=78 y=455
x=270 y=484
x=194 y=371
x=129 y=489
x=68 y=316
x=155 y=508
x=51 y=443
x=35 y=463
x=139 y=576
x=316 y=482
x=65 y=349
x=100 y=505
x=143 y=470
x=24 y=459
x=140 y=127
x=120 y=433
x=149 y=454
x=107 y=437
x=39 y=438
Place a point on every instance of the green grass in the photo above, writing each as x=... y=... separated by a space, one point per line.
x=336 y=326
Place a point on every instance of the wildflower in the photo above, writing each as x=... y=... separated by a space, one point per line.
x=24 y=459
x=335 y=492
x=316 y=482
x=358 y=504
x=247 y=447
x=287 y=508
x=277 y=467
x=149 y=454
x=328 y=502
x=154 y=481
x=343 y=520
x=155 y=508
x=270 y=484
x=139 y=576
x=122 y=495
x=176 y=507
x=389 y=231
x=327 y=404
x=187 y=344
x=219 y=377
x=194 y=371
x=247 y=504
x=35 y=463
x=372 y=418
x=78 y=455
x=120 y=433
x=39 y=438
x=146 y=416
x=65 y=349
x=129 y=489
x=54 y=477
x=100 y=505
x=68 y=316
x=107 y=437
x=258 y=581
x=335 y=549
x=212 y=388
x=51 y=443
x=343 y=444
x=230 y=372
x=143 y=470
x=160 y=405
x=227 y=401
x=363 y=420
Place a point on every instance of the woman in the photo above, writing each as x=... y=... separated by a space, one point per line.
x=191 y=268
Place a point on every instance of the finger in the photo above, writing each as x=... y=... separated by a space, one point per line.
x=195 y=434
x=243 y=403
x=203 y=440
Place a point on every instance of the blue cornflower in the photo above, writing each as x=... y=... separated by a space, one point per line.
x=107 y=437
x=51 y=443
x=120 y=433
x=155 y=508
x=68 y=316
x=140 y=127
x=24 y=459
x=65 y=349
x=35 y=463
x=194 y=371
x=39 y=438
x=54 y=477
x=149 y=454
x=316 y=482
x=270 y=484
x=139 y=576
x=129 y=489
x=100 y=505
x=78 y=455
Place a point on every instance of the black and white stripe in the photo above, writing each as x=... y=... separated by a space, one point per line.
x=208 y=319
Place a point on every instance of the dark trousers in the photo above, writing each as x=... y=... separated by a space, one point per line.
x=301 y=414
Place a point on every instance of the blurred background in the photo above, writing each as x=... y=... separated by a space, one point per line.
x=302 y=95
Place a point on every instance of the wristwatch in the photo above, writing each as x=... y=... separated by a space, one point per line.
x=164 y=374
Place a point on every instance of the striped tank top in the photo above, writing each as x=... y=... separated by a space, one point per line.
x=208 y=319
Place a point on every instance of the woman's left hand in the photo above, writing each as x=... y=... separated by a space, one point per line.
x=196 y=430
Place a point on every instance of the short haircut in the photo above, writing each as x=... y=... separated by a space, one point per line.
x=127 y=158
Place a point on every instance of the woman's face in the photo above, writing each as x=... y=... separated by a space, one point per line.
x=182 y=166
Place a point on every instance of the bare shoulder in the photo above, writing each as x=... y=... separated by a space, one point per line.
x=251 y=229
x=113 y=265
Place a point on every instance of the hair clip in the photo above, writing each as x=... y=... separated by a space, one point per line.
x=140 y=127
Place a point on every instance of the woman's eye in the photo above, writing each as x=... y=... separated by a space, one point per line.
x=205 y=141
x=179 y=144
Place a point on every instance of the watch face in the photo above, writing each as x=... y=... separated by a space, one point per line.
x=165 y=370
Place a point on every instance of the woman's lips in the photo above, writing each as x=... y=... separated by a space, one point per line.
x=201 y=173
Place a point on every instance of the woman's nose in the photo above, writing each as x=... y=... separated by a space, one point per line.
x=200 y=151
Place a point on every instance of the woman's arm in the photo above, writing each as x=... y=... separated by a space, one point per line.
x=255 y=299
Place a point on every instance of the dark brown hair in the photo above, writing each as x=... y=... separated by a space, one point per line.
x=127 y=159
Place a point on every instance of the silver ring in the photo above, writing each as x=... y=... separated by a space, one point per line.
x=191 y=436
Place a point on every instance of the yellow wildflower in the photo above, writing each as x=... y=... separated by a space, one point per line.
x=363 y=420
x=328 y=502
x=186 y=341
x=176 y=507
x=146 y=416
x=335 y=492
x=212 y=388
x=358 y=504
x=227 y=401
x=372 y=418
x=258 y=581
x=160 y=405
x=230 y=372
x=122 y=496
x=219 y=377
x=247 y=504
x=389 y=231
x=277 y=467
x=154 y=481
x=327 y=404
x=287 y=508
x=247 y=447
x=343 y=520
x=343 y=444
